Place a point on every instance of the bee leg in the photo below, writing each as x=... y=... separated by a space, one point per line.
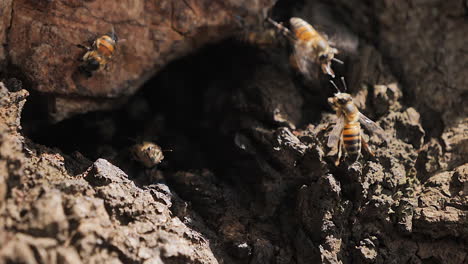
x=340 y=148
x=366 y=146
x=83 y=47
x=358 y=156
x=337 y=60
x=327 y=69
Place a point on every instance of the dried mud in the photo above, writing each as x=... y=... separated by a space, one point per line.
x=247 y=177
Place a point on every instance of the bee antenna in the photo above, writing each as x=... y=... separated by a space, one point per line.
x=274 y=23
x=337 y=60
x=112 y=34
x=344 y=84
x=334 y=85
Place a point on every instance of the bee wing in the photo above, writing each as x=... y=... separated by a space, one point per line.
x=304 y=64
x=335 y=134
x=344 y=43
x=339 y=37
x=372 y=127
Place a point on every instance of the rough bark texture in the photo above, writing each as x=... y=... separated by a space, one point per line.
x=248 y=179
x=53 y=215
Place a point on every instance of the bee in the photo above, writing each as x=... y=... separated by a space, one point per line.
x=311 y=48
x=147 y=153
x=347 y=133
x=97 y=56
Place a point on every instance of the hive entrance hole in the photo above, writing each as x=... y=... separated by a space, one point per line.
x=174 y=109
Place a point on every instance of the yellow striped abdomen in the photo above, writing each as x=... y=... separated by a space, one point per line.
x=105 y=45
x=352 y=138
x=303 y=30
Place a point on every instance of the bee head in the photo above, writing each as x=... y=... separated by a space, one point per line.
x=89 y=66
x=340 y=100
x=332 y=102
x=92 y=65
x=343 y=98
x=324 y=57
x=328 y=54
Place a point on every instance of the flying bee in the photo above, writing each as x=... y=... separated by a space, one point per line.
x=99 y=54
x=147 y=153
x=311 y=48
x=347 y=131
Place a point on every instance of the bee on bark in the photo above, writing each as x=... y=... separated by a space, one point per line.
x=311 y=48
x=347 y=132
x=147 y=153
x=99 y=54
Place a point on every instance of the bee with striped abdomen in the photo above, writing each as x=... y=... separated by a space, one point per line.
x=99 y=54
x=311 y=48
x=347 y=133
